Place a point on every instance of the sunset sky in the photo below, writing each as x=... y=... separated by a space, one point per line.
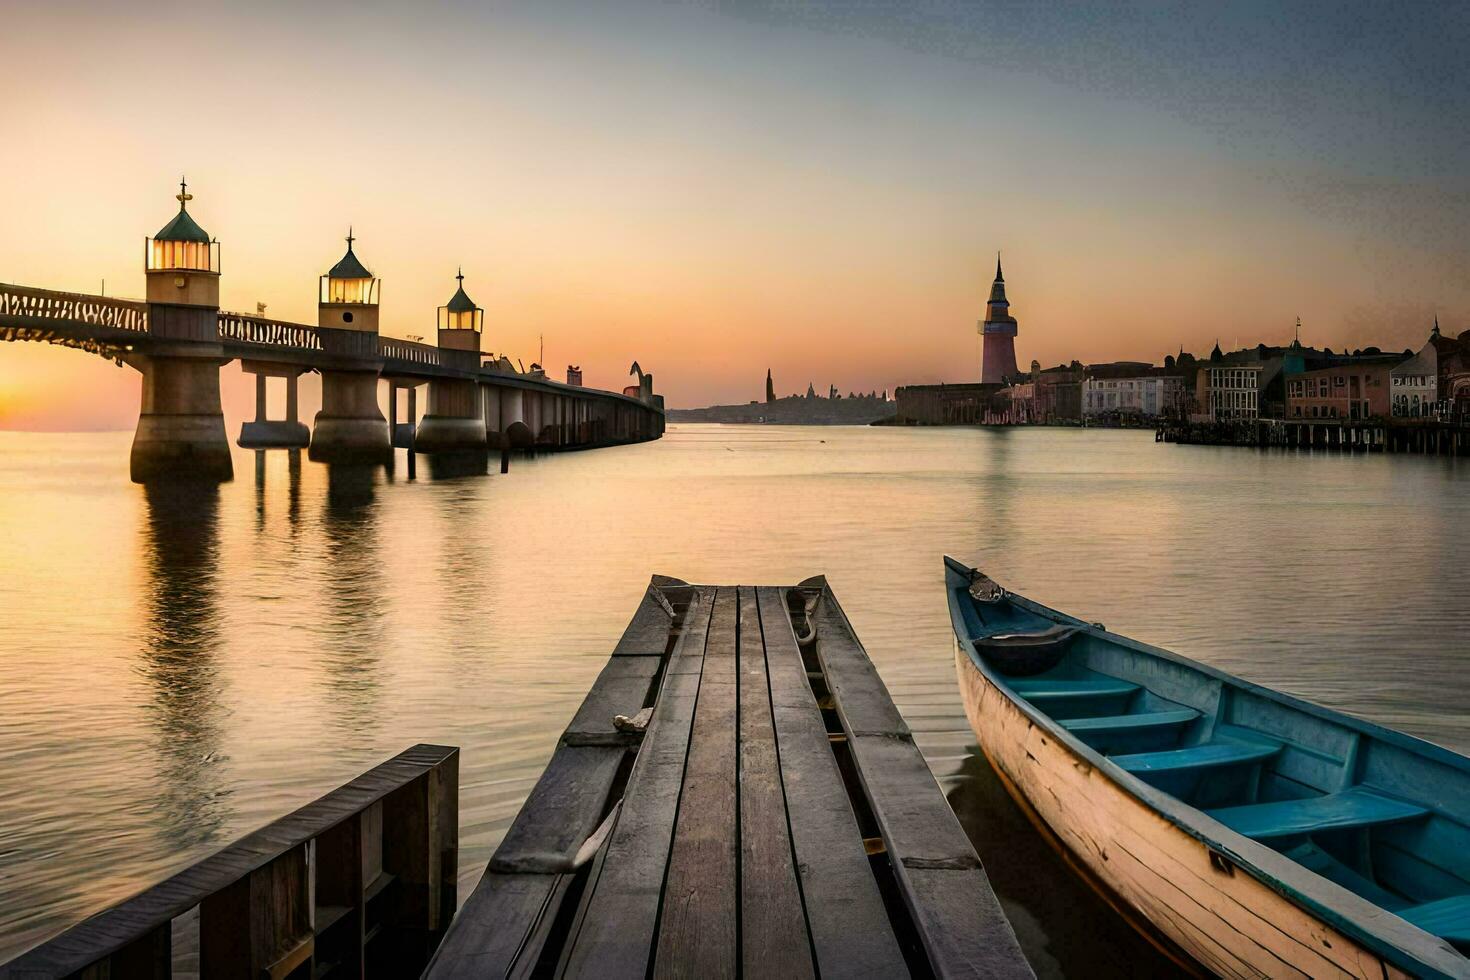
x=715 y=189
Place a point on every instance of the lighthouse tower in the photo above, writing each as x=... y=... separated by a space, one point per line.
x=998 y=359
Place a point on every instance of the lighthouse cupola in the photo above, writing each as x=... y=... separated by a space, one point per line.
x=461 y=322
x=181 y=262
x=349 y=295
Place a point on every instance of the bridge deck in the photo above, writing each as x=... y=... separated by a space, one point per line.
x=775 y=818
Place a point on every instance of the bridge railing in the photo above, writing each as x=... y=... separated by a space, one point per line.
x=408 y=350
x=48 y=304
x=306 y=894
x=258 y=330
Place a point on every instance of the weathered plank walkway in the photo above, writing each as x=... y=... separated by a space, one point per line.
x=773 y=818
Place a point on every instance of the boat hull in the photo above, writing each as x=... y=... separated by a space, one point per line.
x=1199 y=902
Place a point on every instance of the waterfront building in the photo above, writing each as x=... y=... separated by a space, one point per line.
x=998 y=333
x=1143 y=397
x=1453 y=360
x=1414 y=384
x=1228 y=389
x=1356 y=388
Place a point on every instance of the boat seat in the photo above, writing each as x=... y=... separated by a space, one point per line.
x=1356 y=807
x=1448 y=918
x=1143 y=721
x=1042 y=689
x=1206 y=756
x=1318 y=861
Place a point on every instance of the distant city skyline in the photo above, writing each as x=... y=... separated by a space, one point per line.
x=819 y=188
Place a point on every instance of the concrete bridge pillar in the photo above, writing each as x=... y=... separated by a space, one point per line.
x=264 y=432
x=453 y=422
x=181 y=429
x=513 y=428
x=490 y=410
x=350 y=428
x=405 y=432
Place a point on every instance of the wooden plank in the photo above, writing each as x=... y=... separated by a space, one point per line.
x=854 y=683
x=647 y=634
x=615 y=937
x=110 y=930
x=621 y=689
x=697 y=925
x=946 y=891
x=564 y=808
x=773 y=932
x=486 y=938
x=850 y=931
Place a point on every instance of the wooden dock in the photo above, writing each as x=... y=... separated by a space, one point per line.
x=737 y=796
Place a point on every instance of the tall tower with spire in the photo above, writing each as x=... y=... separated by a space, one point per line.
x=998 y=333
x=770 y=388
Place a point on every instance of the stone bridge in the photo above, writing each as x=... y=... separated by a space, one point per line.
x=179 y=338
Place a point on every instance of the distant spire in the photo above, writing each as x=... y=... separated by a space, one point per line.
x=1298 y=330
x=1435 y=331
x=183 y=196
x=998 y=276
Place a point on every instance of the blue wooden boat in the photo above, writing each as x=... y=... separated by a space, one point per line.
x=1241 y=829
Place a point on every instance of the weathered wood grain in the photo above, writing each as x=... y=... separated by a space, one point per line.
x=562 y=811
x=488 y=935
x=850 y=931
x=773 y=932
x=107 y=932
x=621 y=689
x=1230 y=922
x=697 y=935
x=647 y=634
x=944 y=887
x=615 y=936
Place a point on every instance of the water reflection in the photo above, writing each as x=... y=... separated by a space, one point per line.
x=1065 y=931
x=179 y=659
x=355 y=590
x=448 y=466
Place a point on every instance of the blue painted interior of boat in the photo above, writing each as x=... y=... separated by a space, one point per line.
x=1384 y=815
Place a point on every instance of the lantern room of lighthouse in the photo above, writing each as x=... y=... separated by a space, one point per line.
x=349 y=295
x=181 y=262
x=461 y=322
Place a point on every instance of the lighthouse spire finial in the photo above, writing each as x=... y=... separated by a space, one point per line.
x=183 y=196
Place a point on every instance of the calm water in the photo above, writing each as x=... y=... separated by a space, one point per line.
x=178 y=669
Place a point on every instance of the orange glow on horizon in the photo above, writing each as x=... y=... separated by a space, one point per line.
x=629 y=189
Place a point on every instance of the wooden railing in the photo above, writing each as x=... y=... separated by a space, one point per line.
x=366 y=874
x=258 y=330
x=408 y=350
x=99 y=311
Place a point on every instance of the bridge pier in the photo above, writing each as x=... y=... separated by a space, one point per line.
x=350 y=428
x=453 y=422
x=267 y=433
x=181 y=429
x=513 y=426
x=490 y=411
